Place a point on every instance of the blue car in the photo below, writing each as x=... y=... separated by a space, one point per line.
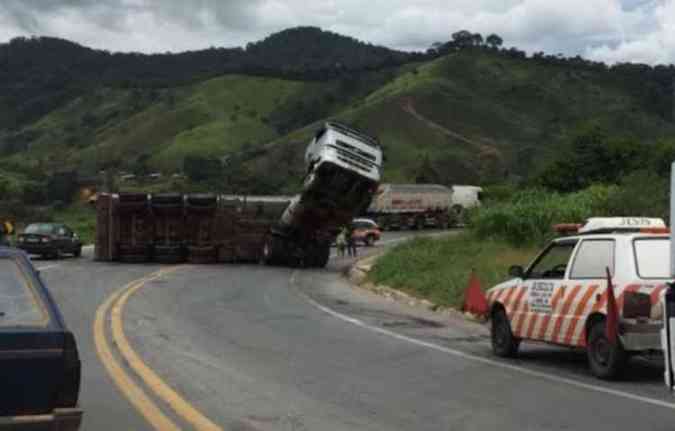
x=39 y=360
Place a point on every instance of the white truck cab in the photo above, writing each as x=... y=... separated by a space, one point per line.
x=347 y=148
x=561 y=297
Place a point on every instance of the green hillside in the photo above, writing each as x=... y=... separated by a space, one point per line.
x=474 y=115
x=477 y=117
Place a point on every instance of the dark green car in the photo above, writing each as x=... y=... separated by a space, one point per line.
x=49 y=240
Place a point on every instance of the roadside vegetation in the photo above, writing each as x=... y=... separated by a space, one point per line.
x=595 y=175
x=438 y=269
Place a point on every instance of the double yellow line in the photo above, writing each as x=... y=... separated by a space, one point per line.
x=134 y=393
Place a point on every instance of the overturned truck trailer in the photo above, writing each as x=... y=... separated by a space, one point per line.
x=172 y=228
x=342 y=176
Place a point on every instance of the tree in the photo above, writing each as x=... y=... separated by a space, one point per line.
x=476 y=39
x=494 y=41
x=593 y=157
x=463 y=38
x=200 y=168
x=426 y=172
x=435 y=48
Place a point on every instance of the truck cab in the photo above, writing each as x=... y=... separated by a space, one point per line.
x=344 y=147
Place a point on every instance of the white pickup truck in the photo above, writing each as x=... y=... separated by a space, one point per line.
x=561 y=297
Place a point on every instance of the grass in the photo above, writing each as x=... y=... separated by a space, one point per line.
x=438 y=269
x=81 y=218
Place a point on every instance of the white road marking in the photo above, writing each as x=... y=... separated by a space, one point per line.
x=46 y=267
x=475 y=358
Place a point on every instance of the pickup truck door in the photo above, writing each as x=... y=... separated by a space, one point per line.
x=545 y=286
x=587 y=279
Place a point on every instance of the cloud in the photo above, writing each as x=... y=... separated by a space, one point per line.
x=648 y=36
x=611 y=30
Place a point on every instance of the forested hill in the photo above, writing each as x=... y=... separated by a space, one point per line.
x=465 y=111
x=39 y=74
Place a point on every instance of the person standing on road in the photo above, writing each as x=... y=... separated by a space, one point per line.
x=341 y=242
x=351 y=242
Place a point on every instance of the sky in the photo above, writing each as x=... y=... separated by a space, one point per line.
x=604 y=30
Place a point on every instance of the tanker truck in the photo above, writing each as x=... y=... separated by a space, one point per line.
x=343 y=173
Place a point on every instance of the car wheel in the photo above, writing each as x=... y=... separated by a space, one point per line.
x=504 y=344
x=605 y=359
x=78 y=252
x=370 y=240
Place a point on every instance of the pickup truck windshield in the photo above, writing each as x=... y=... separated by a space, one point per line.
x=652 y=257
x=19 y=304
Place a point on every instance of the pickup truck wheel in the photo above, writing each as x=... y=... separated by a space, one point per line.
x=504 y=344
x=605 y=359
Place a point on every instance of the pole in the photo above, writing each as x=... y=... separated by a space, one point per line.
x=668 y=332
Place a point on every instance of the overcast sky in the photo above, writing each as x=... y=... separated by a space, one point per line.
x=607 y=30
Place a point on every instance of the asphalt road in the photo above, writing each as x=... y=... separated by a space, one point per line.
x=247 y=347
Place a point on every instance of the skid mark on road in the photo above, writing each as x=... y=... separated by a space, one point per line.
x=475 y=358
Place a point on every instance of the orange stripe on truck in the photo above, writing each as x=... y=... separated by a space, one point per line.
x=508 y=296
x=533 y=317
x=566 y=308
x=524 y=317
x=547 y=318
x=656 y=293
x=517 y=316
x=578 y=312
x=516 y=302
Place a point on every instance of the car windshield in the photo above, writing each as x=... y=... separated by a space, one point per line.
x=19 y=303
x=652 y=257
x=41 y=228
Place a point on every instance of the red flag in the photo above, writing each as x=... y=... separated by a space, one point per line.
x=612 y=313
x=474 y=299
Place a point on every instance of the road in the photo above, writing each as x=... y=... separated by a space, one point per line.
x=247 y=347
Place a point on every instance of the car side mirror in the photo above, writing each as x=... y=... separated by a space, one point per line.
x=516 y=271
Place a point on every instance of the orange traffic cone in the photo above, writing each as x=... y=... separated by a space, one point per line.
x=612 y=321
x=474 y=299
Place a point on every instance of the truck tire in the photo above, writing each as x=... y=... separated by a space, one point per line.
x=605 y=360
x=504 y=344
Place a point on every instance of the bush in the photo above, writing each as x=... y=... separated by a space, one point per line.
x=528 y=217
x=640 y=194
